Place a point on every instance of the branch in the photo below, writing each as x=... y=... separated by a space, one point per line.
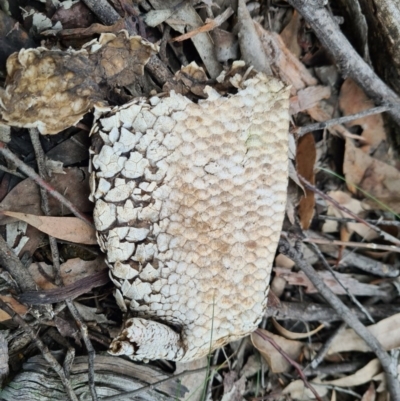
x=348 y=60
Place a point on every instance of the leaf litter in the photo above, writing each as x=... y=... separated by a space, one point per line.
x=274 y=38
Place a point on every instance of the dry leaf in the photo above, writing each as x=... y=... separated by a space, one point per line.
x=295 y=336
x=349 y=282
x=234 y=388
x=387 y=332
x=66 y=228
x=352 y=100
x=290 y=69
x=357 y=207
x=275 y=360
x=71 y=271
x=298 y=391
x=194 y=382
x=370 y=394
x=250 y=43
x=305 y=160
x=202 y=42
x=376 y=178
x=308 y=98
x=289 y=34
x=364 y=375
x=15 y=305
x=25 y=197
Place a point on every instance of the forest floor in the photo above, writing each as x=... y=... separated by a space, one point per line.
x=332 y=327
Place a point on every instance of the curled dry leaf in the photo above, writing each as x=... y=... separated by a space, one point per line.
x=275 y=360
x=363 y=375
x=66 y=228
x=387 y=332
x=295 y=336
x=52 y=89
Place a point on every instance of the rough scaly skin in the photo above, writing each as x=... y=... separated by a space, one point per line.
x=190 y=200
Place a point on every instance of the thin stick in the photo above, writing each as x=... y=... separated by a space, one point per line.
x=395 y=223
x=40 y=158
x=347 y=291
x=9 y=171
x=348 y=60
x=300 y=131
x=43 y=349
x=352 y=244
x=30 y=172
x=10 y=261
x=388 y=366
x=325 y=348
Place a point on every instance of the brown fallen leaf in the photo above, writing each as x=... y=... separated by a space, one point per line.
x=66 y=228
x=290 y=33
x=275 y=360
x=71 y=271
x=25 y=197
x=352 y=100
x=387 y=332
x=363 y=375
x=376 y=178
x=356 y=287
x=291 y=70
x=305 y=161
x=14 y=304
x=298 y=391
x=357 y=207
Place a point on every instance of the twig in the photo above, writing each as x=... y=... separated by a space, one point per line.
x=350 y=258
x=103 y=10
x=70 y=291
x=388 y=366
x=348 y=60
x=9 y=171
x=349 y=294
x=300 y=131
x=313 y=312
x=344 y=209
x=352 y=244
x=43 y=349
x=325 y=348
x=10 y=261
x=40 y=158
x=395 y=223
x=30 y=172
x=291 y=361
